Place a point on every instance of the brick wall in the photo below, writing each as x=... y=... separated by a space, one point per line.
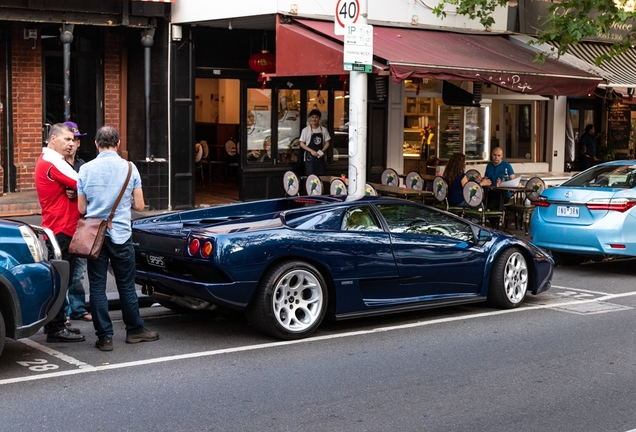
x=113 y=91
x=26 y=69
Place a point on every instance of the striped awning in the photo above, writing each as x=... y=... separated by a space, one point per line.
x=621 y=70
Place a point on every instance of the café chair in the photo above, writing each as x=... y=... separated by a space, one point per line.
x=473 y=175
x=313 y=185
x=390 y=177
x=474 y=196
x=440 y=193
x=414 y=181
x=291 y=184
x=198 y=164
x=523 y=204
x=370 y=190
x=338 y=187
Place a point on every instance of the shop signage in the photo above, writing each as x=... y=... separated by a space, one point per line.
x=618 y=122
x=347 y=12
x=358 y=48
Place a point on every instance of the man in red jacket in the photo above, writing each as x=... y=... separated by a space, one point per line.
x=53 y=176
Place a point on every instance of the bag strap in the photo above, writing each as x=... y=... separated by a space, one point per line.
x=121 y=194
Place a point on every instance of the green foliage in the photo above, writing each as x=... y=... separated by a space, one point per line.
x=567 y=23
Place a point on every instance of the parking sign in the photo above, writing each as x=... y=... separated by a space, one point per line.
x=347 y=12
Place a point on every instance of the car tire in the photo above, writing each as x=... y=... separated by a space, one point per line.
x=291 y=301
x=566 y=259
x=3 y=333
x=509 y=279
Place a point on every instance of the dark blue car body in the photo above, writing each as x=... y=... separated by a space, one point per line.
x=33 y=279
x=403 y=256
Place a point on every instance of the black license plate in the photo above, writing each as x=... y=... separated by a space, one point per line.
x=156 y=260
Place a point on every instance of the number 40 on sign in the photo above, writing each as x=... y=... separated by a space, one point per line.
x=347 y=12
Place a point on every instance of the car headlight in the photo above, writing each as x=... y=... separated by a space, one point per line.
x=41 y=243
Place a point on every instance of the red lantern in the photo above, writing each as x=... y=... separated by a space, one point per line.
x=263 y=62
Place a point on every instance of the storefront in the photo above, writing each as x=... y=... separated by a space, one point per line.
x=407 y=100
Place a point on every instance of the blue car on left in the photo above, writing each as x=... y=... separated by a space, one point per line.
x=33 y=279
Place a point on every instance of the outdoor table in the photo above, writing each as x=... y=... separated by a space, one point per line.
x=400 y=192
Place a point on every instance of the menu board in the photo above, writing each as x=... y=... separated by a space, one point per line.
x=618 y=123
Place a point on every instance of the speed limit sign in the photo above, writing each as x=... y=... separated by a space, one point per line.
x=347 y=12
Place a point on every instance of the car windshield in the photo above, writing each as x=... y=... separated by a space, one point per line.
x=609 y=176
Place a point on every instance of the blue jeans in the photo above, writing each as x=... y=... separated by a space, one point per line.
x=122 y=259
x=76 y=293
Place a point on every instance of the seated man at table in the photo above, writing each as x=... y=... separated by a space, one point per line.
x=498 y=171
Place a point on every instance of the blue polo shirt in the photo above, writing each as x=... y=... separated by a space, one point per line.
x=101 y=181
x=498 y=172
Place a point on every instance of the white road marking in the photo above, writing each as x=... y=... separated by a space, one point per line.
x=301 y=341
x=581 y=290
x=59 y=355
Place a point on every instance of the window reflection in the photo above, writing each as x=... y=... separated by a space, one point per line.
x=340 y=139
x=288 y=126
x=259 y=124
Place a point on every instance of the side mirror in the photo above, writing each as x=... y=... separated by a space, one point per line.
x=483 y=236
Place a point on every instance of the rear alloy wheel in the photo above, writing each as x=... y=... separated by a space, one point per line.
x=291 y=301
x=509 y=279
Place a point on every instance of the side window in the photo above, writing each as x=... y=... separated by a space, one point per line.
x=311 y=220
x=360 y=219
x=412 y=219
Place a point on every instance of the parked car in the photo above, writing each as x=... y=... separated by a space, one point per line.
x=590 y=215
x=290 y=262
x=33 y=279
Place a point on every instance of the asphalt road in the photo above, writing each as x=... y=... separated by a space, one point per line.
x=563 y=361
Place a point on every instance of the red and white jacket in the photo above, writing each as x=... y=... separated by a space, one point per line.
x=53 y=175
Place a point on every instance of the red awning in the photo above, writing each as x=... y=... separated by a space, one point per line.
x=310 y=48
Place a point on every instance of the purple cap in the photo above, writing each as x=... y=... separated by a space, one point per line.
x=74 y=128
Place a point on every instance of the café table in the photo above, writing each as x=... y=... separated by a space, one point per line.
x=400 y=192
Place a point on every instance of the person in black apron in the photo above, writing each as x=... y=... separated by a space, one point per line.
x=315 y=140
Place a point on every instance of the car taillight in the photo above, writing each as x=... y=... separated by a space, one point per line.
x=194 y=246
x=613 y=204
x=206 y=249
x=542 y=202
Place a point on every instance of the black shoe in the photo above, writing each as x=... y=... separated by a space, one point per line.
x=64 y=336
x=73 y=329
x=104 y=343
x=144 y=335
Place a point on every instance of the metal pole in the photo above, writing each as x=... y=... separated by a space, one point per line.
x=66 y=37
x=147 y=40
x=358 y=126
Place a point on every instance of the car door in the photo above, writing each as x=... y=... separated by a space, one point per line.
x=435 y=253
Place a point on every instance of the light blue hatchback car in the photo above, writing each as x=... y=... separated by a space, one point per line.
x=590 y=215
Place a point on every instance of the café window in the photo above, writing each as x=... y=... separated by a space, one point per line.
x=259 y=120
x=289 y=123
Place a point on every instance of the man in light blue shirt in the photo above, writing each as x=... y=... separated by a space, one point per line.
x=98 y=186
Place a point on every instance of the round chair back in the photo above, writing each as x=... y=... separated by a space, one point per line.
x=534 y=188
x=414 y=181
x=390 y=177
x=370 y=190
x=440 y=188
x=473 y=194
x=472 y=175
x=313 y=185
x=290 y=183
x=338 y=187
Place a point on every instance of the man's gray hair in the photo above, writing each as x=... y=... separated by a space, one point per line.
x=106 y=137
x=58 y=129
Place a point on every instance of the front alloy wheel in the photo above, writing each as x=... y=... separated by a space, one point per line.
x=509 y=279
x=291 y=301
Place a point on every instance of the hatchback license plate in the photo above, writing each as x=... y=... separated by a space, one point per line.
x=568 y=211
x=157 y=261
